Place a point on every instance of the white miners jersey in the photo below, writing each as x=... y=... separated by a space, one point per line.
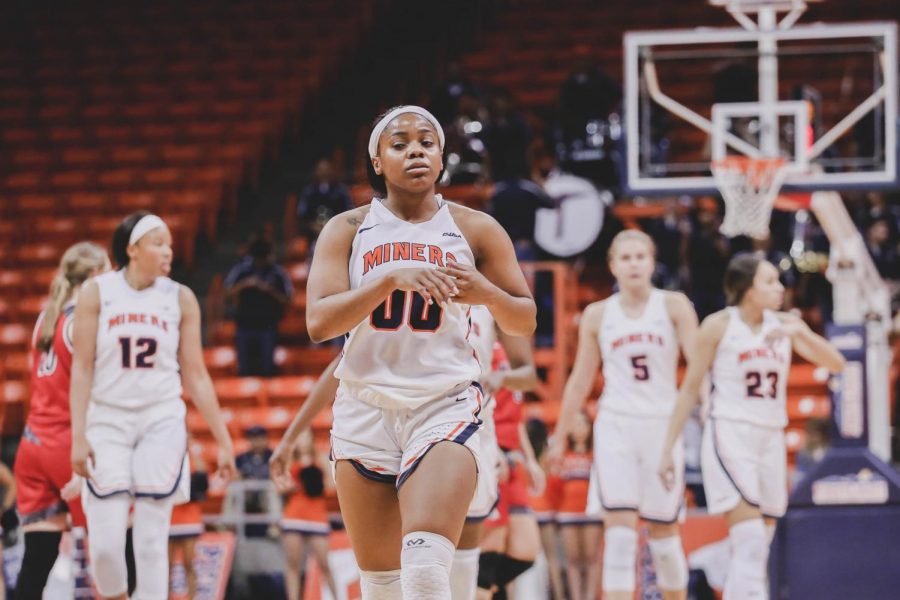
x=640 y=358
x=137 y=343
x=749 y=376
x=407 y=352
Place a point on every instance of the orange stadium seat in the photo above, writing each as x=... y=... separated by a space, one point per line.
x=289 y=390
x=36 y=204
x=221 y=361
x=43 y=254
x=16 y=367
x=238 y=392
x=15 y=337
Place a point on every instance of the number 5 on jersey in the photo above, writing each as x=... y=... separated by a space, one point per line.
x=144 y=352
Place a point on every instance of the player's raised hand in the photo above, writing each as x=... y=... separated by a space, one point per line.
x=227 y=470
x=82 y=453
x=666 y=470
x=279 y=468
x=790 y=327
x=432 y=284
x=474 y=288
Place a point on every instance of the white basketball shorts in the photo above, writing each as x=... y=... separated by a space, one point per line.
x=387 y=445
x=744 y=461
x=141 y=452
x=625 y=476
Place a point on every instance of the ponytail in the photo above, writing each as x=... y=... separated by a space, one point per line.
x=77 y=264
x=60 y=292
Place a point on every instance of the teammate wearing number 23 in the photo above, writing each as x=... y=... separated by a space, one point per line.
x=746 y=350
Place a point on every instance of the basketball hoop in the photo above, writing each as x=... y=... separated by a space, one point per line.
x=749 y=187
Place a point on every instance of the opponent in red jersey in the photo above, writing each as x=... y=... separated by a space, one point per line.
x=42 y=468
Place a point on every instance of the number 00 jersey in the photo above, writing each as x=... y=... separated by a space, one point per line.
x=640 y=358
x=407 y=352
x=749 y=376
x=137 y=343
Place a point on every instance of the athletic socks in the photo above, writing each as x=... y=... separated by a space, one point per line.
x=380 y=585
x=41 y=550
x=464 y=574
x=749 y=554
x=670 y=562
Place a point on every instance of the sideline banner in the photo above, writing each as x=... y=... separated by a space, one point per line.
x=214 y=555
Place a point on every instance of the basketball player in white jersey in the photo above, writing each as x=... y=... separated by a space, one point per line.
x=408 y=373
x=746 y=349
x=466 y=574
x=636 y=335
x=136 y=341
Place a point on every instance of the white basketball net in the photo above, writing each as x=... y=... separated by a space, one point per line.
x=749 y=187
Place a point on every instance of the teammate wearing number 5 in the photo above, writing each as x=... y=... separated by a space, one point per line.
x=397 y=277
x=136 y=338
x=746 y=349
x=636 y=334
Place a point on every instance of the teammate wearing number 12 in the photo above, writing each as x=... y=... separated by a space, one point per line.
x=746 y=349
x=397 y=277
x=136 y=339
x=636 y=334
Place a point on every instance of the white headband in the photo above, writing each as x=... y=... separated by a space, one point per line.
x=416 y=110
x=143 y=227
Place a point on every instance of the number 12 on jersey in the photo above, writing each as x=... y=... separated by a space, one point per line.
x=145 y=350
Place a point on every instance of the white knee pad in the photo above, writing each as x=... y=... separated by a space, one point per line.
x=107 y=524
x=380 y=585
x=425 y=562
x=151 y=548
x=619 y=559
x=749 y=555
x=671 y=565
x=464 y=574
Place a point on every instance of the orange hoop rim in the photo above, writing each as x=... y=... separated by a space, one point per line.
x=787 y=201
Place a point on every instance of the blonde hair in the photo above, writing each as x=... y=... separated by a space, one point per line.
x=630 y=234
x=76 y=265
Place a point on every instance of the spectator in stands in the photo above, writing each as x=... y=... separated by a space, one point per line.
x=877 y=208
x=323 y=198
x=445 y=98
x=590 y=127
x=669 y=232
x=588 y=93
x=253 y=465
x=262 y=290
x=707 y=253
x=883 y=252
x=516 y=201
x=467 y=155
x=507 y=137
